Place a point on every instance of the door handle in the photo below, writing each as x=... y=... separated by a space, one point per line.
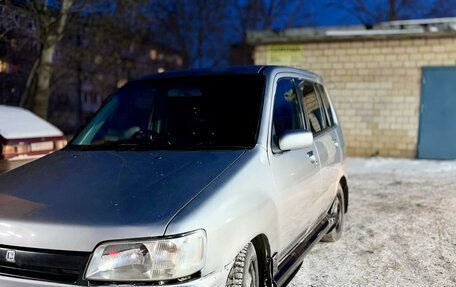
x=335 y=143
x=311 y=157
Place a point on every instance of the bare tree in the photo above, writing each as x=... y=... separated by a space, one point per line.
x=51 y=22
x=370 y=13
x=262 y=15
x=441 y=8
x=266 y=14
x=107 y=41
x=195 y=28
x=105 y=45
x=18 y=44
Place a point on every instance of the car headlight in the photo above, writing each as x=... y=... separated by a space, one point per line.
x=159 y=259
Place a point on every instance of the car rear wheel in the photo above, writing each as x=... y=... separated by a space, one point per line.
x=337 y=212
x=244 y=272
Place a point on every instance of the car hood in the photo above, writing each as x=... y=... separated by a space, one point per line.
x=102 y=195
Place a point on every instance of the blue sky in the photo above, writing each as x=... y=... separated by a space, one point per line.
x=325 y=14
x=329 y=16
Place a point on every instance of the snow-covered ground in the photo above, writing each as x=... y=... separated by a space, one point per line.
x=400 y=229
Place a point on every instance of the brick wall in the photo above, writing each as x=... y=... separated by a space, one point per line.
x=375 y=86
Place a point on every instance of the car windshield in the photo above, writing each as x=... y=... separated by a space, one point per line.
x=193 y=112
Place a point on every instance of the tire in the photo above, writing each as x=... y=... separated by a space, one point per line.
x=337 y=211
x=244 y=272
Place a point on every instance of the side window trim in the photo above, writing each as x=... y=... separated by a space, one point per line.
x=305 y=112
x=301 y=103
x=304 y=117
x=301 y=112
x=329 y=108
x=322 y=106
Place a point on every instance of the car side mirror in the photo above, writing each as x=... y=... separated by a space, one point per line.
x=295 y=139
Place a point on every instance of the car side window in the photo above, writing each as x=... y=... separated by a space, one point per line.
x=326 y=106
x=287 y=113
x=312 y=107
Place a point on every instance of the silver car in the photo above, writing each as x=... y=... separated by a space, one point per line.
x=221 y=177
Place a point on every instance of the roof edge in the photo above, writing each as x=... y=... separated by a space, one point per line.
x=420 y=28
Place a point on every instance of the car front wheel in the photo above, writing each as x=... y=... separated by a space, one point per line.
x=244 y=272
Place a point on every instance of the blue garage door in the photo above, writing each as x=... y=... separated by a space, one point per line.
x=437 y=139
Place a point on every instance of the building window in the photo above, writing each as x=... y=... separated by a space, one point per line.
x=121 y=82
x=31 y=25
x=98 y=59
x=6 y=67
x=179 y=61
x=13 y=43
x=90 y=97
x=153 y=54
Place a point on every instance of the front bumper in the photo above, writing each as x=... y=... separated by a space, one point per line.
x=215 y=279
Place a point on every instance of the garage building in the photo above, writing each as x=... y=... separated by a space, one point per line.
x=393 y=85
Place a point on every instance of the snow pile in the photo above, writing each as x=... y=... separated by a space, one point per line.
x=390 y=165
x=400 y=229
x=19 y=123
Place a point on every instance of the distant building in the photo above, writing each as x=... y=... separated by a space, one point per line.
x=85 y=80
x=91 y=86
x=18 y=49
x=394 y=86
x=81 y=81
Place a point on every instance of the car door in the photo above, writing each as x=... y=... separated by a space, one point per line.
x=296 y=173
x=333 y=142
x=325 y=137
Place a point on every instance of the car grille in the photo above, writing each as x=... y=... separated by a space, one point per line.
x=44 y=265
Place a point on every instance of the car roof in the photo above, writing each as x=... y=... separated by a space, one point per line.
x=248 y=69
x=19 y=123
x=208 y=71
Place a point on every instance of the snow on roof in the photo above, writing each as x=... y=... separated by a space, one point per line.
x=419 y=28
x=431 y=21
x=19 y=123
x=372 y=32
